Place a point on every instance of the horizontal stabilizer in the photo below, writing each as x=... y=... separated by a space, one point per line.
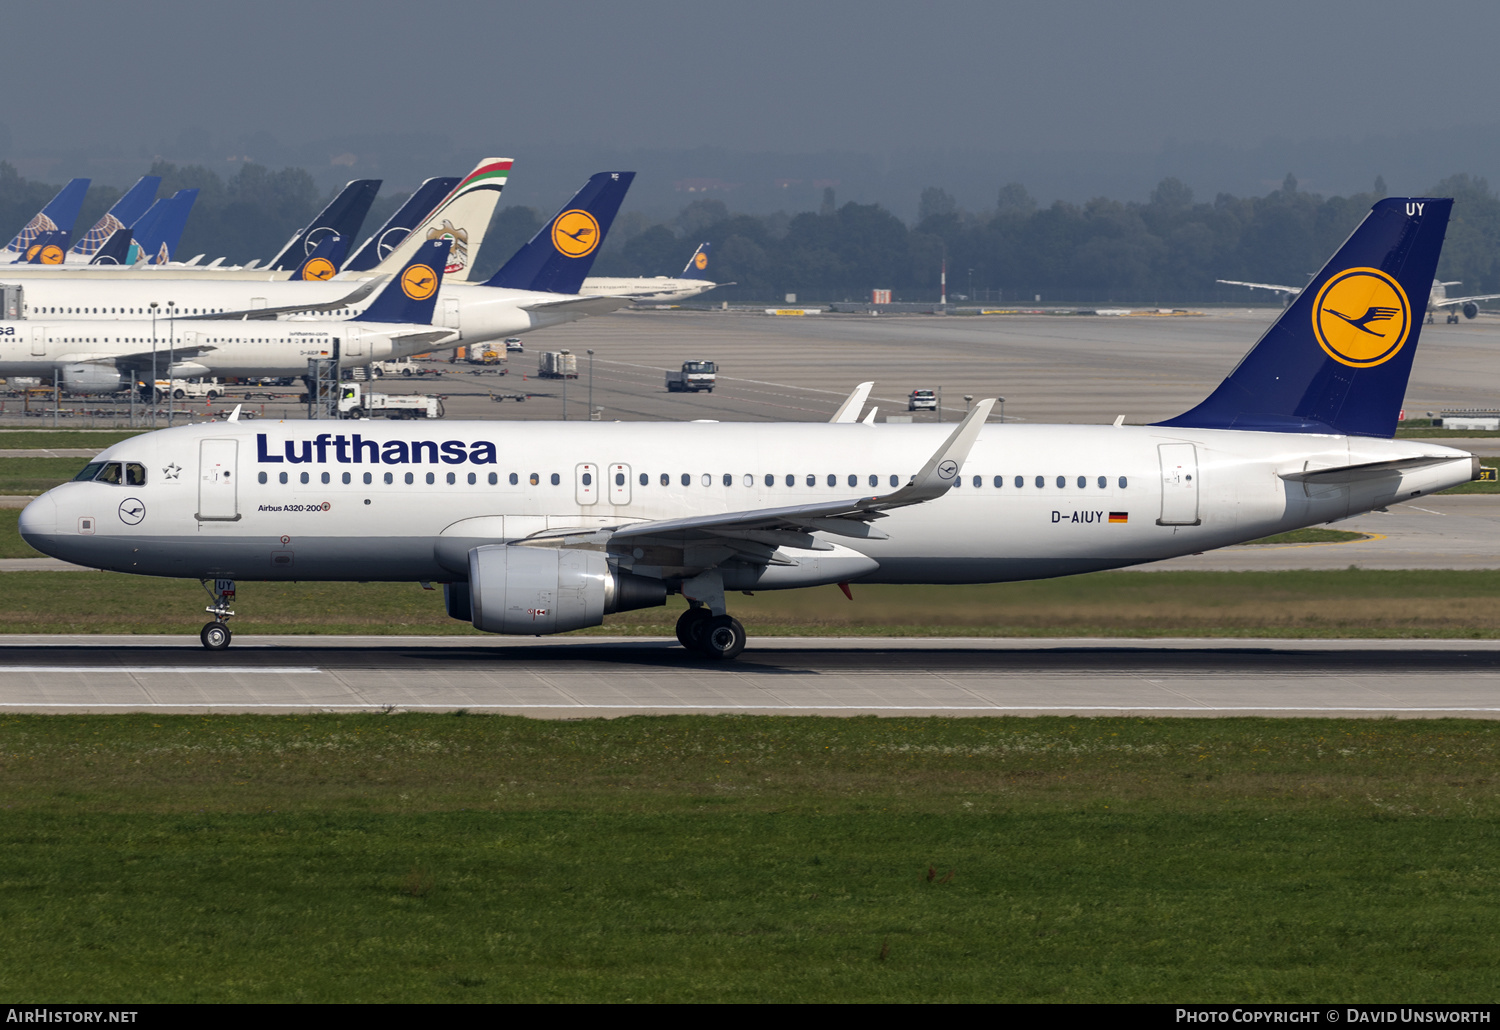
x=1371 y=469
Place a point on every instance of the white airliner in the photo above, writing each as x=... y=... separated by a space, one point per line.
x=537 y=287
x=106 y=356
x=659 y=289
x=545 y=527
x=1437 y=297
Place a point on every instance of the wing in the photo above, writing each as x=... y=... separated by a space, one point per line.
x=1262 y=286
x=365 y=288
x=853 y=404
x=1448 y=302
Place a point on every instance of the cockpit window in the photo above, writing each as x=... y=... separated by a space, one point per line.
x=110 y=473
x=89 y=472
x=135 y=474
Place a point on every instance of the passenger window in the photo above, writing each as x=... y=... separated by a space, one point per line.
x=368 y=477
x=326 y=477
x=261 y=478
x=282 y=478
x=812 y=480
x=1041 y=481
x=1122 y=482
x=431 y=478
x=666 y=479
x=958 y=481
x=535 y=479
x=494 y=478
x=390 y=478
x=999 y=482
x=1083 y=481
x=1103 y=483
x=451 y=478
x=749 y=479
x=135 y=474
x=514 y=479
x=305 y=477
x=791 y=480
x=707 y=479
x=978 y=480
x=833 y=480
x=410 y=479
x=473 y=478
x=854 y=481
x=645 y=480
x=588 y=479
x=874 y=480
x=1062 y=481
x=687 y=480
x=770 y=479
x=895 y=481
x=728 y=479
x=555 y=479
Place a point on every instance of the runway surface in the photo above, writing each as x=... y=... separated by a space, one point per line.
x=604 y=677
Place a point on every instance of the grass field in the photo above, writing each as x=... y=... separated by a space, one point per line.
x=11 y=544
x=21 y=439
x=36 y=475
x=477 y=858
x=1348 y=603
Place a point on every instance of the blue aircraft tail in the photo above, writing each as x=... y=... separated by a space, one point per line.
x=400 y=224
x=160 y=229
x=344 y=215
x=126 y=211
x=697 y=266
x=1338 y=358
x=49 y=248
x=412 y=295
x=559 y=257
x=323 y=262
x=60 y=213
x=116 y=249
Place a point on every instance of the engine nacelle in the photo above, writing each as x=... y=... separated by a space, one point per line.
x=536 y=590
x=90 y=377
x=1471 y=310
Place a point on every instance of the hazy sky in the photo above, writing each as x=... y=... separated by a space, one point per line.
x=874 y=76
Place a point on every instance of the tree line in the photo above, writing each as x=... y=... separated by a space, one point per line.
x=1168 y=249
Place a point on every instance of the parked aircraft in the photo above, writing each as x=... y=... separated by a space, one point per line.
x=659 y=289
x=1437 y=298
x=60 y=213
x=108 y=355
x=126 y=211
x=538 y=527
x=399 y=225
x=343 y=216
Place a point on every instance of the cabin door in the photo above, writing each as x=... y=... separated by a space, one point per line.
x=1179 y=484
x=218 y=481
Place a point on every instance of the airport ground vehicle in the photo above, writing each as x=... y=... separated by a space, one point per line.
x=400 y=367
x=513 y=345
x=921 y=400
x=694 y=376
x=556 y=364
x=356 y=402
x=485 y=354
x=183 y=389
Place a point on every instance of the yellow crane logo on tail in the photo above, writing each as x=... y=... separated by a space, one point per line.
x=575 y=233
x=418 y=282
x=1361 y=317
x=319 y=269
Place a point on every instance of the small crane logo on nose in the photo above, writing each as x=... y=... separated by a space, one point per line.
x=132 y=511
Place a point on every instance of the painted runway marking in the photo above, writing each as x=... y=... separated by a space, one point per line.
x=471 y=706
x=216 y=670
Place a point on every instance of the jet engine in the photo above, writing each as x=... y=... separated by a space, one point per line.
x=1471 y=310
x=536 y=590
x=91 y=377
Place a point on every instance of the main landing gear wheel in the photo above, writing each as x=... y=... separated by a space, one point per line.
x=215 y=636
x=690 y=627
x=722 y=637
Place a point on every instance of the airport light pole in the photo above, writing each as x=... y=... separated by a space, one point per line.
x=1002 y=408
x=565 y=353
x=171 y=356
x=591 y=384
x=152 y=394
x=968 y=401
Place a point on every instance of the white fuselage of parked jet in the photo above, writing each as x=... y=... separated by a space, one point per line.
x=659 y=289
x=406 y=501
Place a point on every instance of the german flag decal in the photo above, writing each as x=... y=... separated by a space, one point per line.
x=1119 y=516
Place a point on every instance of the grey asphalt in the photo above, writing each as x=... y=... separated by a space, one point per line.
x=608 y=677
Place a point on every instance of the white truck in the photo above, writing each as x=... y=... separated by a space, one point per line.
x=354 y=402
x=398 y=367
x=557 y=364
x=695 y=376
x=182 y=389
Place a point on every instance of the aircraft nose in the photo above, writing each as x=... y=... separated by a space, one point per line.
x=38 y=523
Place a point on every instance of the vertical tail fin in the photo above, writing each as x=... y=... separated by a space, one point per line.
x=1338 y=359
x=697 y=266
x=462 y=216
x=159 y=230
x=60 y=213
x=412 y=295
x=116 y=249
x=559 y=257
x=323 y=262
x=126 y=211
x=49 y=248
x=344 y=215
x=399 y=226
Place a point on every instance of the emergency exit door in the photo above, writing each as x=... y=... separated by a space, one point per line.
x=218 y=481
x=1179 y=485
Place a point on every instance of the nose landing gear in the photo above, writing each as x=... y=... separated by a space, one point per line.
x=215 y=635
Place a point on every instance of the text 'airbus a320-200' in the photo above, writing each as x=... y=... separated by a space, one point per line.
x=540 y=528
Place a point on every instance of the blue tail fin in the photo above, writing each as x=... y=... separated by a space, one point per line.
x=126 y=211
x=412 y=295
x=49 y=248
x=1338 y=358
x=116 y=249
x=344 y=215
x=697 y=266
x=559 y=257
x=323 y=262
x=160 y=230
x=400 y=224
x=60 y=213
